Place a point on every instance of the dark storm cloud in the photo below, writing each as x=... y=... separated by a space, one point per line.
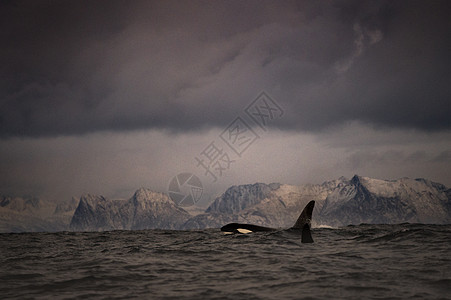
x=72 y=67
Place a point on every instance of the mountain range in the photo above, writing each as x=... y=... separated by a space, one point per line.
x=339 y=202
x=32 y=214
x=145 y=210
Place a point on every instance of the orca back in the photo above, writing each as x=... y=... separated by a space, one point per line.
x=234 y=227
x=302 y=225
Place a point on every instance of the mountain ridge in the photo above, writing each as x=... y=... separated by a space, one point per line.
x=339 y=202
x=146 y=209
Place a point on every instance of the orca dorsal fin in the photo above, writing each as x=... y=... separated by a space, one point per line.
x=306 y=234
x=304 y=222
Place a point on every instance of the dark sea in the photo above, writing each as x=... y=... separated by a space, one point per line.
x=407 y=261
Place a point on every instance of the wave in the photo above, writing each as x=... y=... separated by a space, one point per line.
x=405 y=232
x=322 y=226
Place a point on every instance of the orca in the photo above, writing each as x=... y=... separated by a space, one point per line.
x=301 y=226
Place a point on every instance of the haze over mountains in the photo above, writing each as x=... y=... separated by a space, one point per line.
x=339 y=202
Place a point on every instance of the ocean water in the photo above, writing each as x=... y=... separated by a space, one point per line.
x=407 y=261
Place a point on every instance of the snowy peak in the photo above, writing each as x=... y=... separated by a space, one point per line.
x=369 y=200
x=402 y=186
x=146 y=199
x=146 y=209
x=89 y=199
x=238 y=198
x=145 y=195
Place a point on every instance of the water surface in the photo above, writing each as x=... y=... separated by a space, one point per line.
x=355 y=262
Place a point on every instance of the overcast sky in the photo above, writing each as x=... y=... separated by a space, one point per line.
x=109 y=96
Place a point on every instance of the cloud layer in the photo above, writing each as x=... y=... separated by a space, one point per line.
x=82 y=67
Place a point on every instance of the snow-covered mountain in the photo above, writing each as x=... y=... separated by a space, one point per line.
x=276 y=205
x=145 y=210
x=367 y=200
x=339 y=202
